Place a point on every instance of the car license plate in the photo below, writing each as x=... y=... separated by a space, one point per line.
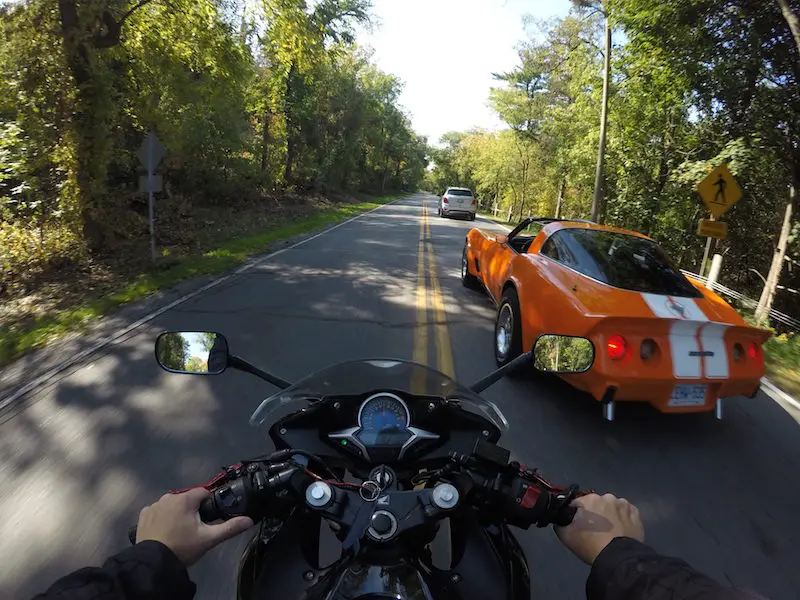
x=688 y=394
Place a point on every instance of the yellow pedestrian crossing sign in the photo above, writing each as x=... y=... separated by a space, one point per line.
x=719 y=191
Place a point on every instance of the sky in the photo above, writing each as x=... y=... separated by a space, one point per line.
x=445 y=51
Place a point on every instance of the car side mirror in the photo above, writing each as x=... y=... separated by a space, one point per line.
x=192 y=352
x=563 y=354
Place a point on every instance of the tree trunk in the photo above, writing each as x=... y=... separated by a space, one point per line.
x=768 y=294
x=560 y=199
x=597 y=198
x=521 y=204
x=386 y=171
x=265 y=141
x=89 y=128
x=290 y=132
x=792 y=20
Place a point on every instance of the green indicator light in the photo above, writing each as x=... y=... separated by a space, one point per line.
x=344 y=442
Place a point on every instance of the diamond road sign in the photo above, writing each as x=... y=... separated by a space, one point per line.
x=151 y=152
x=719 y=191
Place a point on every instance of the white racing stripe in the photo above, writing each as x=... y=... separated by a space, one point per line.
x=671 y=307
x=685 y=350
x=712 y=338
x=686 y=346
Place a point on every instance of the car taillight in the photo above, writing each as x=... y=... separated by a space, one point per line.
x=473 y=202
x=616 y=346
x=648 y=349
x=444 y=199
x=754 y=351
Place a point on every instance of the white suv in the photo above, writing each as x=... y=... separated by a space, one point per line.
x=458 y=201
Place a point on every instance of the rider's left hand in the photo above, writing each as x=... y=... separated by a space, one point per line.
x=175 y=522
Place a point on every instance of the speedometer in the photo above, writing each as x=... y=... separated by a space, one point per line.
x=383 y=420
x=383 y=413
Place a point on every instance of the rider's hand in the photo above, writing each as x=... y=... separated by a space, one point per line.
x=598 y=521
x=175 y=522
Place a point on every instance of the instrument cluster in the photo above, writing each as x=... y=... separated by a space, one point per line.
x=384 y=427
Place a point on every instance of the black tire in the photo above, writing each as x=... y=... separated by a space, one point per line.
x=507 y=329
x=472 y=217
x=468 y=280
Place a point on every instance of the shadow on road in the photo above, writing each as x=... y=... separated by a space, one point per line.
x=721 y=494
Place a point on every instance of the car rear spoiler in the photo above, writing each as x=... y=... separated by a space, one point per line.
x=663 y=326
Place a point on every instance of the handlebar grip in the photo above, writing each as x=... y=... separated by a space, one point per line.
x=565 y=516
x=208 y=510
x=208 y=514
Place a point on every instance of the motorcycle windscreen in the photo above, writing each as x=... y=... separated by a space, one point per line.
x=372 y=375
x=370 y=582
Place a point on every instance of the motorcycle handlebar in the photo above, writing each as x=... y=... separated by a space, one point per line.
x=208 y=514
x=523 y=499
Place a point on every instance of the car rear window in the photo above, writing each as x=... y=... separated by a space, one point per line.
x=624 y=261
x=459 y=193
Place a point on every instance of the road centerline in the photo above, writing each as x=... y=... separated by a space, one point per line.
x=420 y=351
x=444 y=349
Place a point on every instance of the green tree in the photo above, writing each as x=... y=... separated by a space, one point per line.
x=246 y=96
x=172 y=351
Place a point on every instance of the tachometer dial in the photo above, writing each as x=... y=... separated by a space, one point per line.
x=383 y=413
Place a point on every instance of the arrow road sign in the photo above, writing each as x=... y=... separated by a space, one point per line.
x=150 y=183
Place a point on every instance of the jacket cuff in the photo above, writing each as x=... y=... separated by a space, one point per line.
x=619 y=551
x=151 y=570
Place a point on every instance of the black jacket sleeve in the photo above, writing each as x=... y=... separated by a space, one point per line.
x=147 y=571
x=629 y=570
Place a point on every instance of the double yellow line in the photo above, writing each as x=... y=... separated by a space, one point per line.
x=430 y=296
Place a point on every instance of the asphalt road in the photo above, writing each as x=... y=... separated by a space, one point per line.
x=80 y=456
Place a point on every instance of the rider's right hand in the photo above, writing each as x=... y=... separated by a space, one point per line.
x=175 y=522
x=599 y=520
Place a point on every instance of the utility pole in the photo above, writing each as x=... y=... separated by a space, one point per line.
x=768 y=294
x=599 y=178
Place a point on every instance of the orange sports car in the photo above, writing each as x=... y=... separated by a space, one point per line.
x=658 y=336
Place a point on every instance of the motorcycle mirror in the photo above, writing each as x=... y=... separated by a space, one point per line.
x=522 y=361
x=562 y=354
x=192 y=352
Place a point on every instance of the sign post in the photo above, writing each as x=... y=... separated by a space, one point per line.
x=719 y=192
x=150 y=154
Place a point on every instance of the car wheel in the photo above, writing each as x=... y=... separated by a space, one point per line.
x=507 y=329
x=468 y=280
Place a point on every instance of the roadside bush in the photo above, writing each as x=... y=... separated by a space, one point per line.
x=26 y=251
x=784 y=349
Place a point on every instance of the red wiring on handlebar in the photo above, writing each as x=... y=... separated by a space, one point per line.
x=330 y=481
x=552 y=488
x=212 y=483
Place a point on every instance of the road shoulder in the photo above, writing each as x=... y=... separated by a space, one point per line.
x=50 y=363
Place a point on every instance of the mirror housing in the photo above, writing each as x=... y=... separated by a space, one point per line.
x=563 y=354
x=192 y=352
